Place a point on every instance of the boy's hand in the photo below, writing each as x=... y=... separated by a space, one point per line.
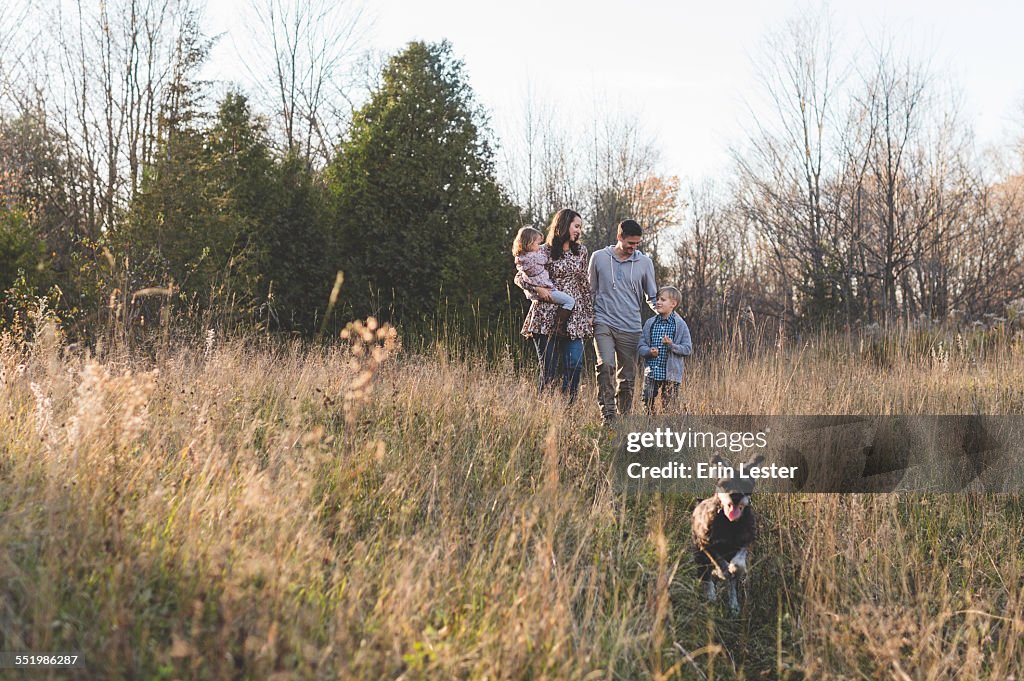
x=654 y=352
x=667 y=340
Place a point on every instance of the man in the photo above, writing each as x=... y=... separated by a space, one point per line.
x=622 y=279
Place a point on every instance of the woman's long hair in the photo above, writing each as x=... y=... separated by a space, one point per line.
x=558 y=233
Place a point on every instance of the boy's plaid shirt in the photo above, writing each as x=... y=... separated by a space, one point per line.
x=662 y=327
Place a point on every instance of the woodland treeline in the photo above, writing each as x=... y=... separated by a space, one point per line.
x=133 y=191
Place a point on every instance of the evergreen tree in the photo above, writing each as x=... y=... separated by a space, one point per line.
x=199 y=218
x=421 y=220
x=40 y=247
x=22 y=252
x=242 y=235
x=300 y=270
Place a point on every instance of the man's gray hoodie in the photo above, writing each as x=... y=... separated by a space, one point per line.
x=620 y=287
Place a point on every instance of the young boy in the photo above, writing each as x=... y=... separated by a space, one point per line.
x=663 y=344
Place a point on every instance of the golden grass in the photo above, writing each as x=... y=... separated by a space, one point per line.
x=244 y=510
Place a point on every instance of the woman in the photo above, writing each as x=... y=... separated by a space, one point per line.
x=568 y=269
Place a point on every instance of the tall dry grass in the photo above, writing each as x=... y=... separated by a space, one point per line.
x=240 y=509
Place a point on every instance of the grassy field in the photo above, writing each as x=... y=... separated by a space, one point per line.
x=246 y=510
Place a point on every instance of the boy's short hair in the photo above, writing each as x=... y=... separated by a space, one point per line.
x=629 y=228
x=672 y=292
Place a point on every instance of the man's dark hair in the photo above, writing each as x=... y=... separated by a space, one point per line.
x=629 y=228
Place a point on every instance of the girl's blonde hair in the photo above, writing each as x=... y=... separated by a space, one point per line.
x=526 y=236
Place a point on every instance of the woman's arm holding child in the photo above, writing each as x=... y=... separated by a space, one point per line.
x=523 y=282
x=534 y=281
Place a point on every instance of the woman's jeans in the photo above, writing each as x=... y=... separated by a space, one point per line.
x=551 y=349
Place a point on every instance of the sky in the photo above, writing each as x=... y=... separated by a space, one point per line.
x=684 y=69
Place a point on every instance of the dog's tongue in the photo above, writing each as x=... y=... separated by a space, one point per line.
x=734 y=513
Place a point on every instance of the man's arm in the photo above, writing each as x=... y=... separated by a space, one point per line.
x=650 y=288
x=643 y=348
x=592 y=271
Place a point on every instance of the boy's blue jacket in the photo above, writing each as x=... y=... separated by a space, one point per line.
x=681 y=347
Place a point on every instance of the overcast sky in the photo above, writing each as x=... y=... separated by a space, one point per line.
x=685 y=68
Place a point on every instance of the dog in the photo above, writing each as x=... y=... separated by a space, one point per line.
x=724 y=527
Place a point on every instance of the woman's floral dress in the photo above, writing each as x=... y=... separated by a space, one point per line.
x=570 y=275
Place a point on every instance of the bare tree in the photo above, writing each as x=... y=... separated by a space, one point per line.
x=609 y=173
x=12 y=19
x=894 y=101
x=541 y=162
x=784 y=171
x=621 y=158
x=301 y=66
x=1020 y=136
x=856 y=204
x=864 y=197
x=703 y=255
x=724 y=268
x=96 y=82
x=987 y=263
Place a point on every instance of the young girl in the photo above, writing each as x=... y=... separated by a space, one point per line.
x=531 y=263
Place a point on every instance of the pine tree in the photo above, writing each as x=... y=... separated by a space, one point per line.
x=421 y=220
x=300 y=270
x=199 y=219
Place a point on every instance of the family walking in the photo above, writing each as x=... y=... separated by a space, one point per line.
x=574 y=298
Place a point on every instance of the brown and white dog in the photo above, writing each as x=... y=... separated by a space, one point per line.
x=724 y=527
